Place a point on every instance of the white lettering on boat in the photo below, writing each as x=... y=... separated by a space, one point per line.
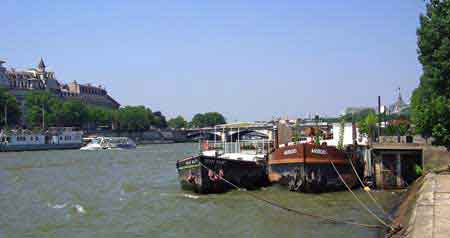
x=319 y=151
x=290 y=152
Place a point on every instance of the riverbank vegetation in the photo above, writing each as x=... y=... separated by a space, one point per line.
x=431 y=99
x=44 y=110
x=9 y=109
x=208 y=119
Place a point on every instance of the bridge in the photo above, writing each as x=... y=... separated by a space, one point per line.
x=233 y=132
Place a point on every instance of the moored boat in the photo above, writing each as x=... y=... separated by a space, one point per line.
x=51 y=139
x=306 y=167
x=224 y=165
x=217 y=174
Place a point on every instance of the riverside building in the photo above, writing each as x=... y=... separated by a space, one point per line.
x=20 y=82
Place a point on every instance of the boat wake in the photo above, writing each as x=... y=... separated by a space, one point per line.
x=190 y=196
x=78 y=208
x=57 y=206
x=185 y=195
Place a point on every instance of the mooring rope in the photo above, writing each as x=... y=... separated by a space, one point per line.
x=303 y=213
x=357 y=199
x=367 y=190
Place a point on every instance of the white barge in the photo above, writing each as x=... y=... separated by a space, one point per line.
x=52 y=139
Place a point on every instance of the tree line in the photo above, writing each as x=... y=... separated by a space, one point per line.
x=45 y=109
x=200 y=120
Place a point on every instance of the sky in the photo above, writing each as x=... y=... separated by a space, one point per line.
x=249 y=60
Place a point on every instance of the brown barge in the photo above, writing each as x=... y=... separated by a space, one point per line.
x=308 y=167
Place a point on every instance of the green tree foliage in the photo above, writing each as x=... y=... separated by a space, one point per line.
x=77 y=113
x=99 y=116
x=208 y=119
x=177 y=122
x=37 y=105
x=134 y=118
x=340 y=145
x=9 y=104
x=159 y=120
x=72 y=113
x=396 y=130
x=431 y=100
x=367 y=126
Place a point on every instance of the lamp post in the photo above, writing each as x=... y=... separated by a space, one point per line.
x=43 y=117
x=6 y=113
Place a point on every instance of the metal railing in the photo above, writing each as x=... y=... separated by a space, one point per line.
x=241 y=146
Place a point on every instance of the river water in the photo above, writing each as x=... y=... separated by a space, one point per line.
x=136 y=193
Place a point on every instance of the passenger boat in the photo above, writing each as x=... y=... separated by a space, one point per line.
x=103 y=143
x=307 y=167
x=51 y=139
x=224 y=165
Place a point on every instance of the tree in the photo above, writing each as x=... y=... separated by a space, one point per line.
x=41 y=104
x=134 y=118
x=9 y=104
x=177 y=122
x=159 y=120
x=99 y=116
x=431 y=100
x=72 y=113
x=340 y=145
x=208 y=119
x=367 y=126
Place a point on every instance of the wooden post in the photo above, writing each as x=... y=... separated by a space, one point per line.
x=379 y=171
x=398 y=168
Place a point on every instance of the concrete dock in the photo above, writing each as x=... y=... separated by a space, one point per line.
x=431 y=214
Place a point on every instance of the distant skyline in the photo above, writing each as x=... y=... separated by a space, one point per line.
x=250 y=60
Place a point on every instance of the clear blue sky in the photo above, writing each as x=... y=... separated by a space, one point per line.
x=250 y=60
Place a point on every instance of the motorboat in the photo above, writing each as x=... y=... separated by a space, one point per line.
x=104 y=143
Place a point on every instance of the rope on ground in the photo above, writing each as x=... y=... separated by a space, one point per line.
x=303 y=213
x=357 y=199
x=367 y=190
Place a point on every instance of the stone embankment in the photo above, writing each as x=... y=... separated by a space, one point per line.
x=425 y=211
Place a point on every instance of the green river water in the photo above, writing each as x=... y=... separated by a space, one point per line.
x=136 y=193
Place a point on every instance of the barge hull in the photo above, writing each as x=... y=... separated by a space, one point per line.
x=37 y=147
x=308 y=168
x=310 y=178
x=202 y=174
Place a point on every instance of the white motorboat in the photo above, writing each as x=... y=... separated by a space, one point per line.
x=104 y=143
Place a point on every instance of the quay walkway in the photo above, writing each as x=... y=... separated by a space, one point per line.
x=431 y=215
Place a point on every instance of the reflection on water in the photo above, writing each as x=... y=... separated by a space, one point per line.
x=135 y=193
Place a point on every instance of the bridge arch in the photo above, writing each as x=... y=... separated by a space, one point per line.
x=202 y=135
x=247 y=134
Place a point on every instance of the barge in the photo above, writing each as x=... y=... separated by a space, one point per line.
x=226 y=164
x=52 y=139
x=305 y=167
x=220 y=173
